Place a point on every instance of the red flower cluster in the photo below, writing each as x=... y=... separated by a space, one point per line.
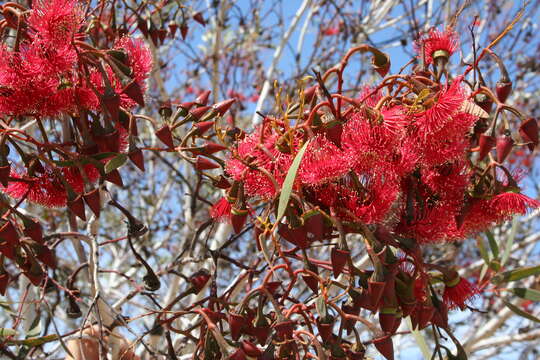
x=50 y=71
x=404 y=167
x=406 y=163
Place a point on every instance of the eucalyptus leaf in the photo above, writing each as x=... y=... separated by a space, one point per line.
x=287 y=187
x=527 y=294
x=115 y=163
x=520 y=312
x=516 y=274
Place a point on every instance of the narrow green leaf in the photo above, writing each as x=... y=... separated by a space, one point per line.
x=493 y=244
x=7 y=332
x=510 y=241
x=35 y=341
x=115 y=162
x=481 y=247
x=528 y=294
x=35 y=328
x=420 y=340
x=520 y=312
x=516 y=274
x=483 y=272
x=286 y=190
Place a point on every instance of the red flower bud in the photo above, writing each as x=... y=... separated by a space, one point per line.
x=212 y=147
x=529 y=132
x=385 y=346
x=199 y=280
x=272 y=286
x=238 y=219
x=261 y=333
x=339 y=259
x=310 y=93
x=76 y=206
x=114 y=178
x=251 y=349
x=202 y=99
x=223 y=106
x=375 y=291
x=183 y=31
x=203 y=126
x=136 y=157
x=33 y=229
x=134 y=92
x=504 y=147
x=173 y=27
x=503 y=90
x=9 y=234
x=486 y=143
x=111 y=102
x=142 y=25
x=284 y=329
x=325 y=330
x=236 y=323
x=387 y=319
x=204 y=164
x=312 y=282
x=45 y=255
x=92 y=199
x=197 y=113
x=4 y=174
x=165 y=135
x=199 y=18
x=424 y=315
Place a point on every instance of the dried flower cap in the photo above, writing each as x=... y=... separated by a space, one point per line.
x=438 y=44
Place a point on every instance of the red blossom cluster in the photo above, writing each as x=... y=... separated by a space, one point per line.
x=412 y=161
x=49 y=71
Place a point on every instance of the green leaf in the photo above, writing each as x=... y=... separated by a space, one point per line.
x=516 y=274
x=520 y=312
x=35 y=328
x=420 y=340
x=528 y=294
x=115 y=162
x=483 y=252
x=493 y=244
x=35 y=341
x=7 y=332
x=510 y=241
x=286 y=190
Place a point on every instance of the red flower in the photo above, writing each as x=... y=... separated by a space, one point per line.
x=45 y=188
x=323 y=161
x=438 y=43
x=457 y=291
x=513 y=203
x=221 y=210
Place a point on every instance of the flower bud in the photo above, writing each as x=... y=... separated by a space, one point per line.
x=202 y=99
x=529 y=132
x=339 y=259
x=165 y=135
x=385 y=346
x=134 y=92
x=503 y=88
x=486 y=143
x=76 y=205
x=199 y=280
x=504 y=147
x=204 y=164
x=92 y=199
x=236 y=324
x=223 y=106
